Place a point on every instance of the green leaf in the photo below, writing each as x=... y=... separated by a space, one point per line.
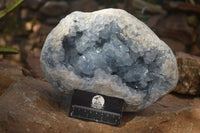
x=10 y=8
x=8 y=50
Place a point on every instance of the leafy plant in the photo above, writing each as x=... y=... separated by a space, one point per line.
x=3 y=13
x=10 y=8
x=8 y=50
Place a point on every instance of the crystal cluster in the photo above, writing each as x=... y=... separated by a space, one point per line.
x=112 y=53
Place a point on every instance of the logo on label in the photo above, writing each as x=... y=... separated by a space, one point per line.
x=98 y=102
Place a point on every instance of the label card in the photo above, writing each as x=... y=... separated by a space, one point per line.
x=96 y=107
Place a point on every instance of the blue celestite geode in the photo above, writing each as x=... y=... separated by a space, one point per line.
x=109 y=52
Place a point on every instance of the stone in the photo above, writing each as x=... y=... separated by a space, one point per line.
x=37 y=28
x=33 y=4
x=39 y=35
x=195 y=50
x=27 y=14
x=52 y=21
x=89 y=5
x=147 y=7
x=8 y=75
x=32 y=105
x=2 y=5
x=28 y=26
x=2 y=41
x=109 y=52
x=33 y=64
x=197 y=43
x=175 y=26
x=176 y=46
x=154 y=20
x=193 y=21
x=13 y=59
x=182 y=6
x=189 y=74
x=54 y=8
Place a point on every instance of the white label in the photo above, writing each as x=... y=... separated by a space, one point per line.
x=98 y=102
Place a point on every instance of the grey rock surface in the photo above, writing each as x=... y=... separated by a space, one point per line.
x=109 y=52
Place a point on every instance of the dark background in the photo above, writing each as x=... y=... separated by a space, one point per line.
x=175 y=22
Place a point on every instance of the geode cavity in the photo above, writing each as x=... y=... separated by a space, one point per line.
x=109 y=52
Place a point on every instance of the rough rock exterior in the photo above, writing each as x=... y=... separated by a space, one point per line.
x=33 y=106
x=189 y=74
x=112 y=53
x=8 y=75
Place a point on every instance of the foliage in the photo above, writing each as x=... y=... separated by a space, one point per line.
x=3 y=13
x=12 y=25
x=8 y=50
x=10 y=8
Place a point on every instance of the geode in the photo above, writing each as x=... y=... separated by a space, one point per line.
x=112 y=53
